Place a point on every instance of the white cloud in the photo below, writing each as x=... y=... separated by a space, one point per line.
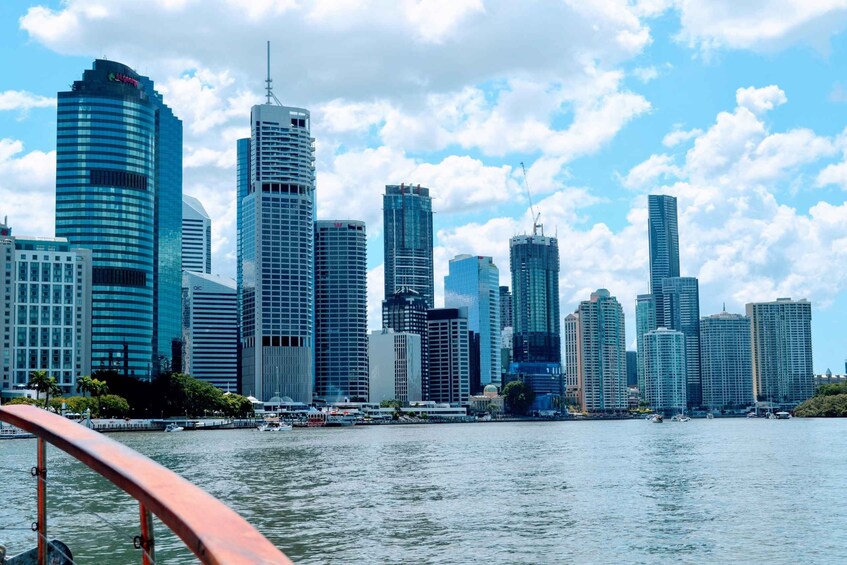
x=646 y=173
x=760 y=26
x=22 y=100
x=645 y=74
x=759 y=100
x=678 y=136
x=25 y=179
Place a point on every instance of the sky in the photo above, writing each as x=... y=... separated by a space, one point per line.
x=736 y=107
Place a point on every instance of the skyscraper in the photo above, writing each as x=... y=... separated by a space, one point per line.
x=534 y=264
x=573 y=371
x=645 y=321
x=781 y=342
x=405 y=311
x=196 y=236
x=449 y=361
x=725 y=361
x=395 y=366
x=119 y=193
x=663 y=236
x=210 y=329
x=407 y=220
x=681 y=312
x=341 y=310
x=664 y=370
x=473 y=283
x=276 y=253
x=505 y=307
x=602 y=353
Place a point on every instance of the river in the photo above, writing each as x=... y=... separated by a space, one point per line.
x=723 y=490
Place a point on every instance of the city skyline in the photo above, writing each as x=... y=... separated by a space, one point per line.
x=757 y=218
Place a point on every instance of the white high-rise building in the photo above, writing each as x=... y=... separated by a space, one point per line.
x=664 y=370
x=602 y=353
x=725 y=363
x=573 y=373
x=474 y=283
x=210 y=329
x=47 y=307
x=781 y=344
x=196 y=236
x=395 y=366
x=276 y=200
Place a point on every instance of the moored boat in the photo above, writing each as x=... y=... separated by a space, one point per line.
x=173 y=428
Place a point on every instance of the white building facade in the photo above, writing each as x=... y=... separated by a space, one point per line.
x=210 y=329
x=395 y=366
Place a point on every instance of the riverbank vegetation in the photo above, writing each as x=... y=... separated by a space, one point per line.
x=829 y=401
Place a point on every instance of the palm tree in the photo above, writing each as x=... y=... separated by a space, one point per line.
x=42 y=382
x=83 y=385
x=97 y=389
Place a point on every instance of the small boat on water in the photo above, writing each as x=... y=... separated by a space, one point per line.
x=274 y=427
x=680 y=418
x=657 y=418
x=710 y=416
x=783 y=415
x=173 y=428
x=11 y=432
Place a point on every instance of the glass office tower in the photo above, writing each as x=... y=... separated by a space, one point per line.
x=341 y=311
x=119 y=193
x=681 y=312
x=276 y=254
x=535 y=298
x=407 y=217
x=473 y=283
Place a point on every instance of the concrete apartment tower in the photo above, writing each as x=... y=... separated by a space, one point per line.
x=276 y=201
x=781 y=344
x=602 y=353
x=119 y=193
x=726 y=365
x=664 y=371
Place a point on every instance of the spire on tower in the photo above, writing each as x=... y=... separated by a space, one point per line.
x=269 y=82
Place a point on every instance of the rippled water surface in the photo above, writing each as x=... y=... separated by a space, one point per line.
x=723 y=490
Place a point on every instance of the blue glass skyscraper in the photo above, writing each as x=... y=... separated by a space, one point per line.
x=276 y=209
x=535 y=298
x=407 y=220
x=474 y=283
x=119 y=193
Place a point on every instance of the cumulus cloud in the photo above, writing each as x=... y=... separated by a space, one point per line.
x=22 y=100
x=25 y=179
x=759 y=100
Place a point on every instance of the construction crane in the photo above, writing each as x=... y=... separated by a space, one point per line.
x=535 y=217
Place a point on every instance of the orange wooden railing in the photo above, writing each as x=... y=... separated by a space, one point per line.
x=209 y=528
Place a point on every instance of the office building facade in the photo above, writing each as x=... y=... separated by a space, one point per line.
x=46 y=285
x=276 y=254
x=407 y=221
x=726 y=365
x=405 y=311
x=663 y=237
x=664 y=371
x=681 y=312
x=602 y=353
x=119 y=193
x=473 y=283
x=449 y=357
x=196 y=236
x=534 y=262
x=505 y=308
x=210 y=329
x=395 y=366
x=781 y=345
x=341 y=311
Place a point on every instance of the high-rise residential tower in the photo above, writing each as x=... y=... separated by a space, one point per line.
x=572 y=364
x=664 y=371
x=407 y=220
x=119 y=193
x=473 y=283
x=341 y=311
x=681 y=312
x=602 y=356
x=276 y=200
x=196 y=236
x=645 y=321
x=725 y=363
x=534 y=264
x=781 y=343
x=663 y=236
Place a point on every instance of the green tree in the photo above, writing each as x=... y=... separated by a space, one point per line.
x=83 y=384
x=23 y=400
x=43 y=383
x=390 y=404
x=518 y=397
x=112 y=405
x=237 y=406
x=98 y=389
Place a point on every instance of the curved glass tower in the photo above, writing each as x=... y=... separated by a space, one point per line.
x=119 y=193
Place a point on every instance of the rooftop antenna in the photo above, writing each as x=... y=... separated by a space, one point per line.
x=535 y=224
x=269 y=82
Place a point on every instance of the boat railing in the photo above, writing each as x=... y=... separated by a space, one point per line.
x=215 y=533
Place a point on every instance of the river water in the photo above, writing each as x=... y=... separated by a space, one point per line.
x=721 y=491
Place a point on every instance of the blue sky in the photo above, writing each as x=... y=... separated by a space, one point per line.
x=737 y=108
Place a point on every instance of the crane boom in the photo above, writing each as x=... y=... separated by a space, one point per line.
x=535 y=217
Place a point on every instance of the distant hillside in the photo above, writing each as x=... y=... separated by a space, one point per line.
x=830 y=401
